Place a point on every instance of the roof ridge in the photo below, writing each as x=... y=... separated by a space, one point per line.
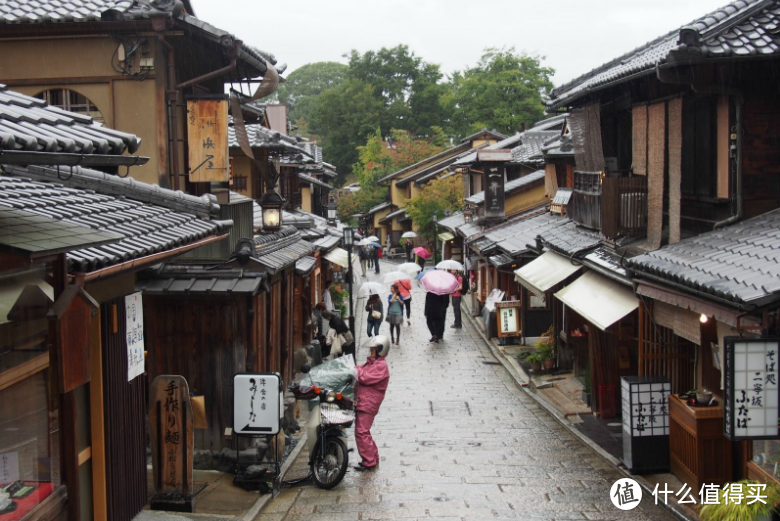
x=108 y=184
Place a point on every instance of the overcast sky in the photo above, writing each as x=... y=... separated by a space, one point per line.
x=575 y=36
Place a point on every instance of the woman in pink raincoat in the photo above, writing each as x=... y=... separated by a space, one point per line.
x=372 y=379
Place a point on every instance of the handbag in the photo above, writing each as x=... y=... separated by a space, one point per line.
x=376 y=315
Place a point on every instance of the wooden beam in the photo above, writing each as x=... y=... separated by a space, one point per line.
x=97 y=422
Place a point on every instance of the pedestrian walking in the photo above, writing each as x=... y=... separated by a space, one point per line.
x=395 y=314
x=370 y=255
x=420 y=262
x=388 y=242
x=405 y=289
x=372 y=378
x=377 y=254
x=408 y=245
x=436 y=314
x=375 y=314
x=457 y=296
x=326 y=296
x=363 y=259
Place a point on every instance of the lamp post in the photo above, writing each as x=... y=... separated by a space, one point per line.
x=333 y=211
x=435 y=235
x=468 y=216
x=348 y=240
x=271 y=203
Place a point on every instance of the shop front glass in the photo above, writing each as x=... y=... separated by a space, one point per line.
x=29 y=422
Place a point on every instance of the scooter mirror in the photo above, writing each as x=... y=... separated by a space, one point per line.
x=305 y=368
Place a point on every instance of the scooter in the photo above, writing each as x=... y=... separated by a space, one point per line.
x=330 y=413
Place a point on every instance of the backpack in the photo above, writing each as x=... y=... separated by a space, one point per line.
x=465 y=284
x=379 y=253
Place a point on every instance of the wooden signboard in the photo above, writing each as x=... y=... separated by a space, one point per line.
x=70 y=320
x=207 y=131
x=170 y=421
x=508 y=317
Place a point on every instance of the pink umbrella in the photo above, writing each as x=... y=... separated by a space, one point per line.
x=439 y=282
x=422 y=252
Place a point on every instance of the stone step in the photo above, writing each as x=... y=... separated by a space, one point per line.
x=562 y=402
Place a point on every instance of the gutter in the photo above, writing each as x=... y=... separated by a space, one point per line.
x=81 y=278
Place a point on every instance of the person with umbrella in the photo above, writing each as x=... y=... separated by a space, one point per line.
x=363 y=259
x=377 y=247
x=375 y=314
x=408 y=249
x=457 y=296
x=439 y=284
x=395 y=314
x=405 y=289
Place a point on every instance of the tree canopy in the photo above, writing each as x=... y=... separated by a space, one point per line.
x=444 y=193
x=503 y=92
x=301 y=88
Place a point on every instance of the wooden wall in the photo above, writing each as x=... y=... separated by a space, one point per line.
x=204 y=340
x=761 y=155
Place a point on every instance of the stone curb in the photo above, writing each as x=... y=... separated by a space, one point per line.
x=254 y=512
x=523 y=381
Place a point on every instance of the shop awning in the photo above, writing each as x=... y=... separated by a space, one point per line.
x=339 y=256
x=598 y=299
x=446 y=236
x=545 y=272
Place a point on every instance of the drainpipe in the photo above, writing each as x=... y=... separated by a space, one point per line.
x=736 y=94
x=172 y=94
x=233 y=53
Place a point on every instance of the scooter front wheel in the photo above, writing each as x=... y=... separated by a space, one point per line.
x=329 y=466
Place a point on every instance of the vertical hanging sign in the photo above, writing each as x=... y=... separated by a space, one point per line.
x=134 y=326
x=207 y=131
x=751 y=409
x=493 y=180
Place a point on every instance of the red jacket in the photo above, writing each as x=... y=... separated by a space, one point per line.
x=404 y=287
x=372 y=377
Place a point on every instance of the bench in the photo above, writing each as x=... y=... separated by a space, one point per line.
x=395 y=252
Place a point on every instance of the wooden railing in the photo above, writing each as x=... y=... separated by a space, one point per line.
x=585 y=204
x=623 y=206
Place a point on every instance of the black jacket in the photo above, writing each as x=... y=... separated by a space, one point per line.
x=436 y=305
x=339 y=325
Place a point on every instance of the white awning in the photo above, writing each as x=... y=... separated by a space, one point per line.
x=339 y=256
x=598 y=299
x=545 y=272
x=446 y=236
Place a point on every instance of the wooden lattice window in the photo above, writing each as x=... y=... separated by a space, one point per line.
x=72 y=101
x=239 y=183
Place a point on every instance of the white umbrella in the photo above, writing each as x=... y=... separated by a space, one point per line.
x=391 y=277
x=412 y=268
x=371 y=288
x=365 y=242
x=372 y=238
x=449 y=264
x=409 y=235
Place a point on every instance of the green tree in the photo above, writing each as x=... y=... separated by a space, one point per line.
x=444 y=193
x=503 y=91
x=301 y=88
x=344 y=117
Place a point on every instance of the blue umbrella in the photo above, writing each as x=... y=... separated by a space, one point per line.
x=423 y=273
x=375 y=244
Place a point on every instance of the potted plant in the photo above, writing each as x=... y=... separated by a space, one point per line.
x=586 y=386
x=546 y=348
x=535 y=359
x=726 y=510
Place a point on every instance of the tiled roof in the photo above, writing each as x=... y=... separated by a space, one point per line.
x=435 y=169
x=29 y=124
x=740 y=263
x=305 y=265
x=309 y=179
x=531 y=149
x=559 y=147
x=190 y=280
x=471 y=156
x=484 y=132
x=741 y=28
x=145 y=227
x=606 y=258
x=501 y=259
x=278 y=250
x=392 y=215
x=453 y=221
x=510 y=187
x=261 y=137
x=441 y=156
x=79 y=11
x=380 y=206
x=570 y=239
x=327 y=243
x=514 y=236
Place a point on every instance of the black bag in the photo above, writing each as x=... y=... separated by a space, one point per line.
x=465 y=284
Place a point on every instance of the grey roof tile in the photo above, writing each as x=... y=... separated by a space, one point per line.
x=718 y=35
x=140 y=218
x=740 y=263
x=512 y=186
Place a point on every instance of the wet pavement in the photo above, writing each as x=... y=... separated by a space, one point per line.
x=458 y=440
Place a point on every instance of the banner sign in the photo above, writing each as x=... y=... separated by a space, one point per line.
x=134 y=325
x=207 y=131
x=751 y=392
x=257 y=403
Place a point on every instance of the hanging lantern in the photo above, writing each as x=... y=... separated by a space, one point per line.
x=333 y=211
x=271 y=203
x=468 y=216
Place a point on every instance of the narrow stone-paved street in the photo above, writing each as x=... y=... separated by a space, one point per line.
x=459 y=440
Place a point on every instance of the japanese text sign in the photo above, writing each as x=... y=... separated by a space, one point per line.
x=645 y=405
x=751 y=391
x=508 y=316
x=494 y=191
x=9 y=467
x=134 y=325
x=207 y=131
x=170 y=420
x=257 y=407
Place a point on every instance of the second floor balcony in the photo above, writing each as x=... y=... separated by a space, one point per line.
x=616 y=206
